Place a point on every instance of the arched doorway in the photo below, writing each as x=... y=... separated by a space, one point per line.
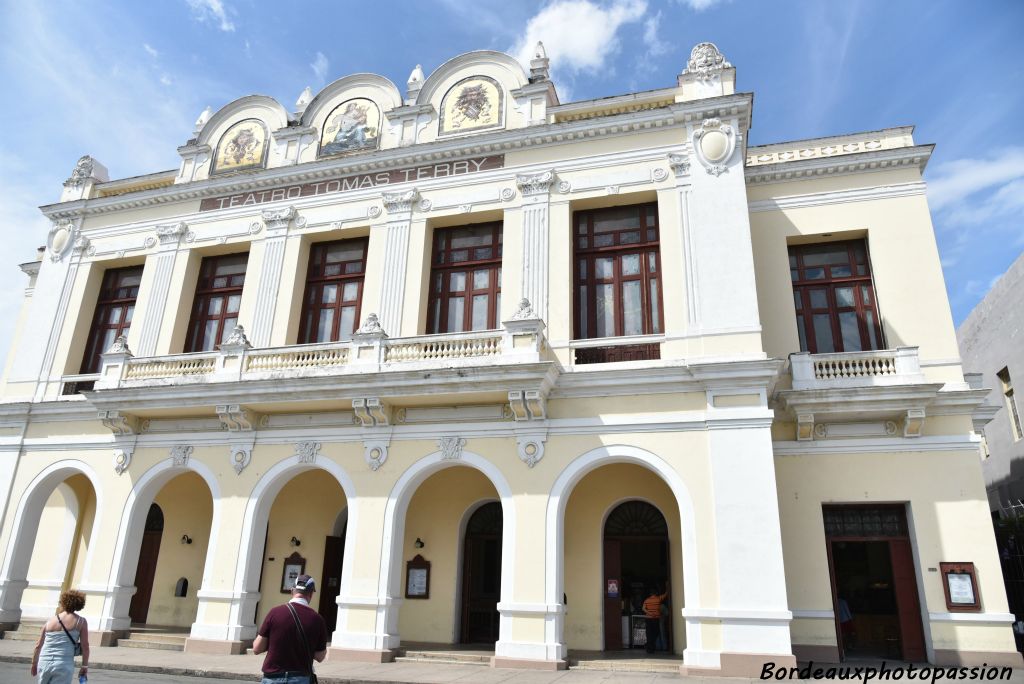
x=145 y=571
x=636 y=561
x=481 y=576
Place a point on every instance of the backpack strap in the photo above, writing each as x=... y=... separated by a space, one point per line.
x=302 y=633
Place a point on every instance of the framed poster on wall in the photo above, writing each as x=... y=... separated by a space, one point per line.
x=294 y=565
x=417 y=578
x=961 y=587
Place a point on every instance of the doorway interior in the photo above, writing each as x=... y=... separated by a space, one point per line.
x=145 y=572
x=636 y=560
x=481 y=576
x=330 y=577
x=874 y=583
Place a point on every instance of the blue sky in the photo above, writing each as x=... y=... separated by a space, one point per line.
x=125 y=81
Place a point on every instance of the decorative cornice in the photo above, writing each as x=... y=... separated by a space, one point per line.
x=818 y=199
x=535 y=183
x=861 y=162
x=81 y=173
x=171 y=233
x=496 y=142
x=282 y=219
x=400 y=202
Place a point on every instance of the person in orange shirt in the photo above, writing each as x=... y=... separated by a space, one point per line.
x=652 y=615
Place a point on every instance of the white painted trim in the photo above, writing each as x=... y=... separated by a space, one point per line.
x=737 y=615
x=817 y=199
x=814 y=615
x=983 y=618
x=392 y=285
x=268 y=287
x=156 y=302
x=877 y=445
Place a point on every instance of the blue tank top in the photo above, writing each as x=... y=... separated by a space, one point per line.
x=57 y=646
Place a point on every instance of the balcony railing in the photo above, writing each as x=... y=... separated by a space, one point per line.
x=518 y=341
x=879 y=368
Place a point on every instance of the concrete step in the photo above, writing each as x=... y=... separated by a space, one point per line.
x=28 y=630
x=164 y=637
x=135 y=642
x=449 y=657
x=627 y=665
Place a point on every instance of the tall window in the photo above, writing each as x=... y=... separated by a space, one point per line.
x=465 y=279
x=618 y=275
x=1011 y=404
x=113 y=315
x=834 y=298
x=218 y=294
x=334 y=288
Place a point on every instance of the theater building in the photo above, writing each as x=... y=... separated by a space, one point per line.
x=489 y=366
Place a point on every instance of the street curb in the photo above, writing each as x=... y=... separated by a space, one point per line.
x=214 y=674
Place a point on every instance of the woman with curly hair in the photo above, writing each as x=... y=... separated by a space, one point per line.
x=64 y=636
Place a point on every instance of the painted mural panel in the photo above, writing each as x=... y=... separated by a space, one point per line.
x=243 y=146
x=472 y=104
x=353 y=125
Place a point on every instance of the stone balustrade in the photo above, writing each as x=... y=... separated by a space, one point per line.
x=878 y=368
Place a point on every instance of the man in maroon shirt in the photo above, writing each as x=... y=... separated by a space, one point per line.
x=288 y=655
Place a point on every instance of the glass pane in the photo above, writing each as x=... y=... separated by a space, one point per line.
x=619 y=218
x=209 y=336
x=109 y=335
x=604 y=240
x=457 y=282
x=330 y=294
x=584 y=320
x=231 y=265
x=814 y=273
x=220 y=282
x=482 y=253
x=869 y=318
x=582 y=243
x=792 y=261
x=823 y=334
x=347 y=324
x=583 y=269
x=233 y=302
x=861 y=269
x=130 y=278
x=472 y=236
x=629 y=237
x=819 y=299
x=114 y=315
x=325 y=328
x=332 y=270
x=850 y=331
x=801 y=332
x=630 y=264
x=632 y=309
x=841 y=271
x=820 y=255
x=480 y=312
x=481 y=280
x=214 y=306
x=459 y=255
x=497 y=304
x=437 y=282
x=605 y=310
x=350 y=293
x=436 y=317
x=865 y=295
x=652 y=234
x=844 y=297
x=794 y=275
x=798 y=301
x=344 y=251
x=603 y=268
x=229 y=326
x=354 y=267
x=456 y=314
x=652 y=262
x=655 y=308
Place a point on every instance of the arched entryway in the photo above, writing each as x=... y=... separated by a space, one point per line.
x=481 y=575
x=58 y=507
x=636 y=562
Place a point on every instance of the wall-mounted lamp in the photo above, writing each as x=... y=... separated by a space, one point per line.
x=295 y=541
x=185 y=539
x=419 y=543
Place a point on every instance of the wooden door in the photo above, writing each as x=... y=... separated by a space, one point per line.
x=144 y=575
x=908 y=607
x=330 y=578
x=481 y=576
x=612 y=604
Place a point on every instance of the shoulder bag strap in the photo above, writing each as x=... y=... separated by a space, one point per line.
x=76 y=644
x=302 y=633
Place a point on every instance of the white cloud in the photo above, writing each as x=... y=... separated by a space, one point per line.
x=953 y=181
x=319 y=66
x=165 y=79
x=655 y=46
x=579 y=35
x=152 y=51
x=701 y=5
x=212 y=10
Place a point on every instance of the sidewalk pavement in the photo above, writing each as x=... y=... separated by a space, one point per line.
x=247 y=668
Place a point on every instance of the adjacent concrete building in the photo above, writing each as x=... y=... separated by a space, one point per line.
x=992 y=345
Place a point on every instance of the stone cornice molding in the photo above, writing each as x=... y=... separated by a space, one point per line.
x=818 y=199
x=862 y=162
x=400 y=202
x=497 y=142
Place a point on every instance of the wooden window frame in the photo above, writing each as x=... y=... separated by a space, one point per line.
x=205 y=292
x=110 y=298
x=805 y=313
x=442 y=266
x=583 y=229
x=316 y=280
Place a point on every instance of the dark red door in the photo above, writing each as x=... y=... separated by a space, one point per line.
x=612 y=604
x=144 y=574
x=907 y=606
x=334 y=554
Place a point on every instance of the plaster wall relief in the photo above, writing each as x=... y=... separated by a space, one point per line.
x=243 y=146
x=475 y=103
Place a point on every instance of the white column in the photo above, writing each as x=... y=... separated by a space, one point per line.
x=535 y=189
x=399 y=206
x=169 y=236
x=681 y=167
x=277 y=222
